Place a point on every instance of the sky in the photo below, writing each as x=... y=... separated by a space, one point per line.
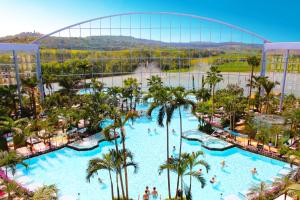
x=276 y=20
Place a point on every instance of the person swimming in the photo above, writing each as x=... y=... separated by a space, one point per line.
x=213 y=179
x=223 y=164
x=149 y=130
x=146 y=196
x=173 y=131
x=147 y=190
x=154 y=193
x=254 y=171
x=199 y=171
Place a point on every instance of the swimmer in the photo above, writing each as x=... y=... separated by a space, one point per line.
x=223 y=164
x=146 y=196
x=147 y=190
x=149 y=130
x=199 y=171
x=100 y=181
x=174 y=150
x=254 y=171
x=154 y=193
x=213 y=179
x=173 y=131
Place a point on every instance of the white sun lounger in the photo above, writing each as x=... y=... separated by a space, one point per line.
x=288 y=166
x=284 y=172
x=273 y=179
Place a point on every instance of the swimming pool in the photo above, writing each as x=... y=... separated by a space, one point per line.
x=67 y=168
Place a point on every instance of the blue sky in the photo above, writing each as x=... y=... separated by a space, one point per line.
x=276 y=20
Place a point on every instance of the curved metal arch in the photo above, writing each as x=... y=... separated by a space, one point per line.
x=159 y=13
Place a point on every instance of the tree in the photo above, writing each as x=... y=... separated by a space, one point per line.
x=8 y=125
x=233 y=102
x=154 y=83
x=119 y=122
x=8 y=100
x=259 y=190
x=11 y=188
x=184 y=167
x=179 y=100
x=162 y=97
x=193 y=161
x=254 y=62
x=46 y=192
x=30 y=85
x=99 y=164
x=10 y=160
x=131 y=91
x=268 y=86
x=213 y=77
x=48 y=79
x=68 y=84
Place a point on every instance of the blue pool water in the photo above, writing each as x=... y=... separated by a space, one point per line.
x=67 y=168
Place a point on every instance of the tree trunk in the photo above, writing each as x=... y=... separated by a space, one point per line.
x=33 y=103
x=180 y=148
x=111 y=185
x=118 y=190
x=125 y=163
x=251 y=82
x=168 y=156
x=120 y=173
x=213 y=103
x=190 y=179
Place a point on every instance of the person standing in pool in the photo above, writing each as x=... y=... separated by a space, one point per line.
x=223 y=164
x=154 y=193
x=146 y=196
x=254 y=172
x=147 y=190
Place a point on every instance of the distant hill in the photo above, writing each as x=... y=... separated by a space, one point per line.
x=24 y=37
x=116 y=42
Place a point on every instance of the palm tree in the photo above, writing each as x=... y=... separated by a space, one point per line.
x=193 y=161
x=30 y=85
x=10 y=161
x=11 y=188
x=293 y=190
x=254 y=62
x=68 y=84
x=46 y=192
x=98 y=164
x=131 y=91
x=180 y=99
x=259 y=190
x=162 y=98
x=9 y=98
x=203 y=94
x=119 y=122
x=213 y=77
x=48 y=80
x=268 y=87
x=154 y=83
x=184 y=167
x=8 y=125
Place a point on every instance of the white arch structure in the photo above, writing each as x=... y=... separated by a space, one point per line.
x=267 y=44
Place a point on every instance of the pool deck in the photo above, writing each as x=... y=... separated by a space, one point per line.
x=87 y=143
x=199 y=139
